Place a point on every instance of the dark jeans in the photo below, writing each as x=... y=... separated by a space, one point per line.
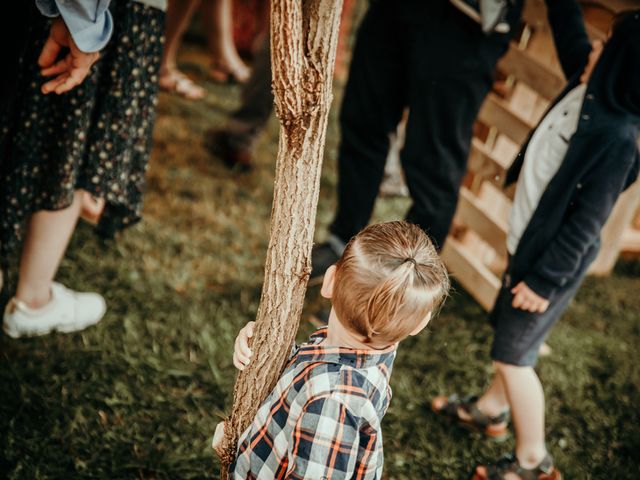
x=432 y=58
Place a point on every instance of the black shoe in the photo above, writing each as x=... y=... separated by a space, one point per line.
x=490 y=14
x=219 y=144
x=323 y=256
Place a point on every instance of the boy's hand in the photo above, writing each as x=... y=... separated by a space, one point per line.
x=526 y=299
x=72 y=69
x=242 y=353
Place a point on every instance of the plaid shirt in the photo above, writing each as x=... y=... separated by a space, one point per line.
x=322 y=419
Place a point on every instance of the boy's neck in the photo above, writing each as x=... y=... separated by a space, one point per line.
x=339 y=336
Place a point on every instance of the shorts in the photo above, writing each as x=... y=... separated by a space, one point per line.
x=518 y=334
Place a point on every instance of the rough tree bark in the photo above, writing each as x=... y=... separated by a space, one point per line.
x=304 y=35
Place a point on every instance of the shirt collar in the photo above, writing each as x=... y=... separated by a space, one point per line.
x=355 y=358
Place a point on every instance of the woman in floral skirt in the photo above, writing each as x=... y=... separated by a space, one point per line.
x=82 y=152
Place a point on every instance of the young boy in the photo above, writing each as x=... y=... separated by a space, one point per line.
x=322 y=419
x=578 y=160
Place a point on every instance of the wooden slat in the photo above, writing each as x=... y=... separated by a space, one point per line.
x=630 y=241
x=494 y=198
x=619 y=5
x=524 y=100
x=505 y=149
x=534 y=12
x=484 y=164
x=472 y=274
x=527 y=69
x=595 y=33
x=613 y=232
x=483 y=221
x=495 y=112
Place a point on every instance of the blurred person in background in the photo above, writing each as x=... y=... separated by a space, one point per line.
x=234 y=143
x=79 y=152
x=226 y=64
x=570 y=172
x=436 y=59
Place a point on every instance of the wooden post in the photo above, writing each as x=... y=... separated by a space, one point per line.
x=304 y=36
x=613 y=231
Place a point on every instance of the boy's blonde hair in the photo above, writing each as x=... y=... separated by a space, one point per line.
x=387 y=281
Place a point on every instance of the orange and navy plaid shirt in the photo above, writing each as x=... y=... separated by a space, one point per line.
x=322 y=419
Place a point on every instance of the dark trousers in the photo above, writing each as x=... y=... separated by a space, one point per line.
x=432 y=58
x=257 y=101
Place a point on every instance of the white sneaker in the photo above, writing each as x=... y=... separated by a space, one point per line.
x=66 y=312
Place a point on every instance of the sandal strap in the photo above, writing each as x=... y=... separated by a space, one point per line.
x=470 y=405
x=510 y=464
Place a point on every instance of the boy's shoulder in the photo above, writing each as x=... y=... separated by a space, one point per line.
x=363 y=393
x=357 y=379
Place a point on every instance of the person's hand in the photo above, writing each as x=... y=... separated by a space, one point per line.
x=526 y=299
x=218 y=436
x=241 y=352
x=71 y=70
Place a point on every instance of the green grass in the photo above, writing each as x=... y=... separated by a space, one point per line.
x=139 y=395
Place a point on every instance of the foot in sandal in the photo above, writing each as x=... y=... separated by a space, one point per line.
x=174 y=81
x=465 y=412
x=224 y=72
x=509 y=468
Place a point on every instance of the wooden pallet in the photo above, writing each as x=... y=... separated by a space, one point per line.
x=475 y=251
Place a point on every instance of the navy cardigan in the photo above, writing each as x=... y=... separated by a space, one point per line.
x=601 y=162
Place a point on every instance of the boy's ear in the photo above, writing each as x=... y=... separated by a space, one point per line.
x=327 y=283
x=422 y=324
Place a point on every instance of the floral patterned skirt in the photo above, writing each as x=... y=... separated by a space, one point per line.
x=96 y=137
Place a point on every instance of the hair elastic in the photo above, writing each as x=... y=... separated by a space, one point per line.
x=412 y=260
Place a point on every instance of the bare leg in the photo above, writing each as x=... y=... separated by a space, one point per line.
x=526 y=398
x=178 y=17
x=218 y=23
x=494 y=401
x=48 y=235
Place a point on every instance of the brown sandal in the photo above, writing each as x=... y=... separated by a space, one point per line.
x=223 y=73
x=495 y=428
x=510 y=464
x=178 y=83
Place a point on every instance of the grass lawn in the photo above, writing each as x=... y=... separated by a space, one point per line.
x=139 y=395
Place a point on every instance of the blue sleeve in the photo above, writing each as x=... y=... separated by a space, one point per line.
x=88 y=21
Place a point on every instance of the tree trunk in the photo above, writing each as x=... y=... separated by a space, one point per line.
x=304 y=35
